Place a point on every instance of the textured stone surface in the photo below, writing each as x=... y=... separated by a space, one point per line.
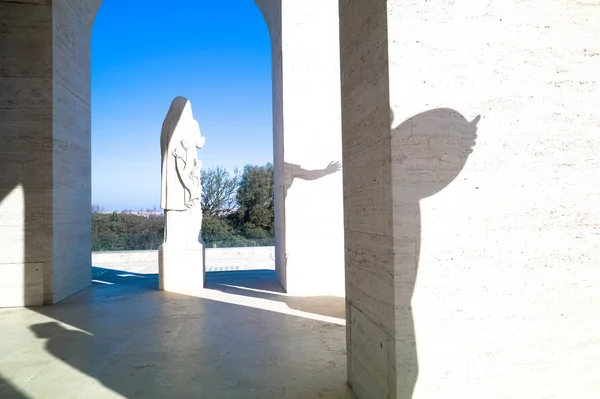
x=71 y=190
x=26 y=146
x=471 y=274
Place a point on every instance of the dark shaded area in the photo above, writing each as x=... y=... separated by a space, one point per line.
x=137 y=281
x=8 y=392
x=144 y=343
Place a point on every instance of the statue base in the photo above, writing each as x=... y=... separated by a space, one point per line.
x=181 y=269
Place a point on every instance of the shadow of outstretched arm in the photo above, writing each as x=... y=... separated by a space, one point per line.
x=298 y=172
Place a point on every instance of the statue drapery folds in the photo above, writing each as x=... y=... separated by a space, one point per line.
x=181 y=186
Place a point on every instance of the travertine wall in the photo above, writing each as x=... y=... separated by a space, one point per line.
x=26 y=147
x=45 y=127
x=72 y=146
x=487 y=259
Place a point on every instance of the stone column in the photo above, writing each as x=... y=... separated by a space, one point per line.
x=45 y=152
x=368 y=203
x=308 y=123
x=72 y=22
x=26 y=147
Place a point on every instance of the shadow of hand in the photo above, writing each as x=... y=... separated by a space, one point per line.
x=333 y=167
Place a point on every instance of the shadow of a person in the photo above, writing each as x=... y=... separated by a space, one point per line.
x=8 y=391
x=82 y=352
x=67 y=345
x=429 y=150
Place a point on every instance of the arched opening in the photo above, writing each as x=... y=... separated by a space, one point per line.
x=219 y=59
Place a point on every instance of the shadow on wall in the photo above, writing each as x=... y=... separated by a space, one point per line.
x=428 y=152
x=291 y=173
x=297 y=172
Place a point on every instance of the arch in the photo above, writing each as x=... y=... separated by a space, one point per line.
x=271 y=16
x=270 y=10
x=306 y=109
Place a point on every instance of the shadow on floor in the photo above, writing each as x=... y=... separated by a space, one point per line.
x=7 y=391
x=263 y=284
x=260 y=284
x=103 y=276
x=139 y=342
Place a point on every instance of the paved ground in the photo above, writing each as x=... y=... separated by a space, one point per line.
x=124 y=338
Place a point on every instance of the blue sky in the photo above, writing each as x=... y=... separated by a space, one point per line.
x=144 y=54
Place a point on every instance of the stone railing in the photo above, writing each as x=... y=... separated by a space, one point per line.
x=217 y=259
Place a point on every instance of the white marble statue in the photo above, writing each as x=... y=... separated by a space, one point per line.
x=181 y=186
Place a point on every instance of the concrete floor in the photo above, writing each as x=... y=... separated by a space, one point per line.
x=242 y=338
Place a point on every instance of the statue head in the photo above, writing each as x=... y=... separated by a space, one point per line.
x=179 y=115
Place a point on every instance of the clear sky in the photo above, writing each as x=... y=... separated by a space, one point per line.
x=144 y=54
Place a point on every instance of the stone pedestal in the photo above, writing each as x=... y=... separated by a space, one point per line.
x=181 y=269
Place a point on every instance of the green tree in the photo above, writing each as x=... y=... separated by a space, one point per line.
x=215 y=229
x=126 y=232
x=255 y=215
x=218 y=191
